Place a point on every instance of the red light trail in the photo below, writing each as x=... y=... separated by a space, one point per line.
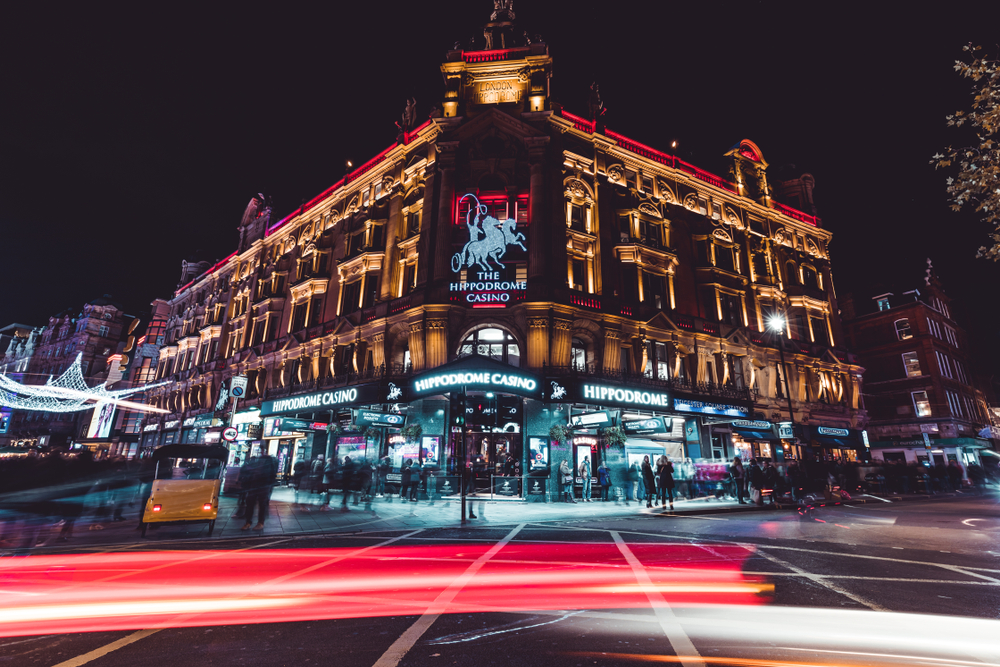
x=126 y=591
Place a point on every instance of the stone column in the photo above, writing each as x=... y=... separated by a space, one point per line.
x=426 y=231
x=445 y=213
x=417 y=346
x=392 y=227
x=538 y=341
x=536 y=253
x=437 y=343
x=378 y=349
x=562 y=341
x=612 y=357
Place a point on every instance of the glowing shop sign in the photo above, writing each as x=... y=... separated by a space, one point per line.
x=705 y=408
x=605 y=394
x=835 y=432
x=500 y=381
x=489 y=239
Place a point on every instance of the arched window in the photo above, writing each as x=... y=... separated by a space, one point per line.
x=791 y=274
x=903 y=329
x=493 y=343
x=809 y=277
x=578 y=355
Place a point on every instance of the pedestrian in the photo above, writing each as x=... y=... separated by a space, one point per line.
x=649 y=480
x=416 y=472
x=259 y=480
x=604 y=479
x=740 y=479
x=383 y=472
x=770 y=479
x=566 y=481
x=405 y=475
x=347 y=478
x=632 y=482
x=468 y=479
x=585 y=474
x=756 y=479
x=665 y=479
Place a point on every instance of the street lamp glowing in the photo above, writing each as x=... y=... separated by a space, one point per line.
x=776 y=323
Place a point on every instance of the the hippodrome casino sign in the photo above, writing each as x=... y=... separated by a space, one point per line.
x=488 y=282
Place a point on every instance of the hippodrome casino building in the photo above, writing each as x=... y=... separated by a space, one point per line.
x=548 y=267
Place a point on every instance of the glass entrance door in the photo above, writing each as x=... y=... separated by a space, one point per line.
x=493 y=455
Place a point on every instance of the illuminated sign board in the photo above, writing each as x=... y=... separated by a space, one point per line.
x=607 y=395
x=756 y=425
x=707 y=408
x=370 y=418
x=150 y=427
x=510 y=381
x=496 y=91
x=646 y=426
x=485 y=279
x=785 y=431
x=325 y=400
x=590 y=419
x=834 y=432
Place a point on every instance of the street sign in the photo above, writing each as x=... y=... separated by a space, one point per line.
x=646 y=426
x=371 y=418
x=597 y=419
x=229 y=434
x=238 y=386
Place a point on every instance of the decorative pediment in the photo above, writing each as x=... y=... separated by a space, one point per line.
x=722 y=235
x=616 y=174
x=691 y=201
x=661 y=321
x=733 y=218
x=649 y=209
x=666 y=193
x=811 y=247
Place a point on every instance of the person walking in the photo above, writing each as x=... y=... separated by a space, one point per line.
x=260 y=479
x=604 y=480
x=585 y=474
x=632 y=483
x=756 y=479
x=649 y=480
x=739 y=474
x=383 y=472
x=665 y=480
x=770 y=477
x=348 y=480
x=566 y=481
x=405 y=475
x=415 y=478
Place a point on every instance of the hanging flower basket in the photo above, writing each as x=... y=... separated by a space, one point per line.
x=614 y=436
x=560 y=433
x=412 y=432
x=334 y=429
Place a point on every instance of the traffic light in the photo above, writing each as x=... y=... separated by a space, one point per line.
x=458 y=404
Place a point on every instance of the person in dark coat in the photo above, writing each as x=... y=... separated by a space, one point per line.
x=739 y=479
x=665 y=480
x=415 y=474
x=756 y=479
x=770 y=477
x=649 y=480
x=348 y=480
x=604 y=480
x=258 y=476
x=405 y=479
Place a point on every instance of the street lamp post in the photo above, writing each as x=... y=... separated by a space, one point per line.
x=776 y=323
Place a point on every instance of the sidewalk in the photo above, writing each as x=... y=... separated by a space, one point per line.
x=287 y=517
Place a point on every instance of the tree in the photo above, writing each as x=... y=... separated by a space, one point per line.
x=978 y=182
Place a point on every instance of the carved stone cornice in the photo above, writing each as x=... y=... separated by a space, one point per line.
x=437 y=324
x=416 y=327
x=613 y=334
x=538 y=322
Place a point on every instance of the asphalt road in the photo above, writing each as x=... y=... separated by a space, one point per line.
x=893 y=583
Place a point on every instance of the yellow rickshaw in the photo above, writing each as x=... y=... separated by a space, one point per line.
x=187 y=493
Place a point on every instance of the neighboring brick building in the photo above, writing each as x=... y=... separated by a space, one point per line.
x=920 y=377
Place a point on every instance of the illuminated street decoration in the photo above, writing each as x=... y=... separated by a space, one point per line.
x=67 y=393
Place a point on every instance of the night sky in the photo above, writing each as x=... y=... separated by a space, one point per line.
x=130 y=140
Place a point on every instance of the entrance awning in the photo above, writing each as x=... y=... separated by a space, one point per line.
x=750 y=434
x=835 y=443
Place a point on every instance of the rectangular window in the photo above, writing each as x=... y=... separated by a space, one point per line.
x=104 y=331
x=371 y=290
x=352 y=297
x=580 y=274
x=654 y=289
x=626 y=354
x=944 y=365
x=736 y=371
x=576 y=218
x=647 y=185
x=732 y=313
x=903 y=329
x=630 y=178
x=820 y=333
x=409 y=279
x=911 y=364
x=921 y=403
x=625 y=227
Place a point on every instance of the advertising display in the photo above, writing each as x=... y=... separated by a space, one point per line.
x=645 y=426
x=401 y=452
x=835 y=432
x=101 y=421
x=707 y=408
x=597 y=393
x=353 y=446
x=430 y=445
x=600 y=419
x=476 y=373
x=538 y=451
x=487 y=264
x=371 y=418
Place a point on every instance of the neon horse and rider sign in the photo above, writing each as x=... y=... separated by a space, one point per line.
x=487 y=282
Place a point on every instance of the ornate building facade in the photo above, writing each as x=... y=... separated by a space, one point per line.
x=508 y=233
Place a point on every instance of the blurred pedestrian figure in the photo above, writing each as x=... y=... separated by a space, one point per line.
x=585 y=474
x=955 y=475
x=383 y=472
x=648 y=480
x=604 y=480
x=416 y=471
x=261 y=474
x=469 y=480
x=365 y=479
x=347 y=476
x=756 y=479
x=566 y=481
x=665 y=481
x=770 y=479
x=739 y=479
x=405 y=478
x=632 y=483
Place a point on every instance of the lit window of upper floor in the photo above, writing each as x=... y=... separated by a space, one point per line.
x=903 y=329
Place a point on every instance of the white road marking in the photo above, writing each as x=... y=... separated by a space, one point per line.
x=395 y=653
x=822 y=581
x=671 y=626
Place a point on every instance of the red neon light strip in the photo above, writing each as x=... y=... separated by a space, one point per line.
x=490 y=305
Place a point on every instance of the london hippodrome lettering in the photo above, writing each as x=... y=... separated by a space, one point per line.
x=497 y=92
